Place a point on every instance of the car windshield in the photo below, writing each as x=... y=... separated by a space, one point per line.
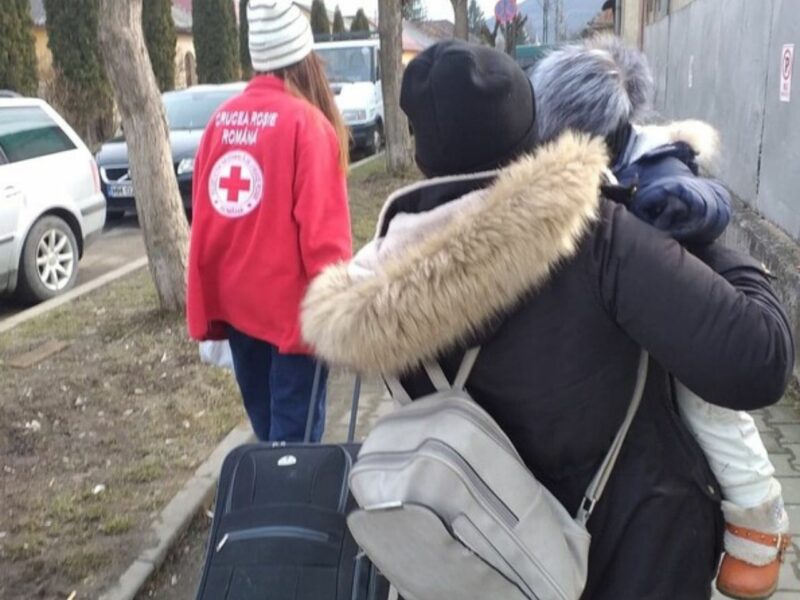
x=347 y=65
x=192 y=110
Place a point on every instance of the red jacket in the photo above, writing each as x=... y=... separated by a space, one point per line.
x=269 y=212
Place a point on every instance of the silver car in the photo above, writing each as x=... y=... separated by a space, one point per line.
x=51 y=205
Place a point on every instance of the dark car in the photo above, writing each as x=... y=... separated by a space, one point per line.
x=188 y=111
x=528 y=55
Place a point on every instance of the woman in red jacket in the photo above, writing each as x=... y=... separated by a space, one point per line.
x=269 y=213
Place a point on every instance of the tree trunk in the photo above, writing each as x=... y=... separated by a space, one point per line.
x=395 y=126
x=158 y=201
x=461 y=31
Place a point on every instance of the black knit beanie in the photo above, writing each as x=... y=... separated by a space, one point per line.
x=471 y=107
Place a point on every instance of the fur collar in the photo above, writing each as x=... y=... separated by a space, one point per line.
x=478 y=266
x=699 y=135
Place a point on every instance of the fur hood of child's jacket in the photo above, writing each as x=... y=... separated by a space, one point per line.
x=701 y=137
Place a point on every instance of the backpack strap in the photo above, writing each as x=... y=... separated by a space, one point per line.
x=465 y=370
x=598 y=484
x=397 y=391
x=437 y=377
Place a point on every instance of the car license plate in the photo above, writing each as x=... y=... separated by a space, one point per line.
x=120 y=190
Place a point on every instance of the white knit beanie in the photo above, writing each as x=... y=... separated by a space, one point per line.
x=279 y=34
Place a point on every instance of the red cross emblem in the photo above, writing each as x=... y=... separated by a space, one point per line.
x=235 y=184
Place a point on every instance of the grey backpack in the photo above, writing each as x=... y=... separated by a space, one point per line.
x=449 y=510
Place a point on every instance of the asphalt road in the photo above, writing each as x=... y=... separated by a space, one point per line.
x=120 y=243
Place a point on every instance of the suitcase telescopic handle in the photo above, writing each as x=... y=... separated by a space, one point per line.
x=312 y=405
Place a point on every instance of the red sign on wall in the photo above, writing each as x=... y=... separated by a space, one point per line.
x=505 y=11
x=787 y=65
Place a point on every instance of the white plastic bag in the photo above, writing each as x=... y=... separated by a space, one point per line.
x=217 y=352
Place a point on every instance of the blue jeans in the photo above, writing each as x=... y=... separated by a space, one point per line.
x=276 y=389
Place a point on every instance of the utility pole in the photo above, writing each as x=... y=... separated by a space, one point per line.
x=557 y=15
x=559 y=10
x=545 y=21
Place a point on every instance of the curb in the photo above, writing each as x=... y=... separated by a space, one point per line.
x=81 y=290
x=176 y=516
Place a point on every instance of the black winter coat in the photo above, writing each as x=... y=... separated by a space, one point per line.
x=562 y=289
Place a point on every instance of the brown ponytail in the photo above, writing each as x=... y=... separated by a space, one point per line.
x=307 y=80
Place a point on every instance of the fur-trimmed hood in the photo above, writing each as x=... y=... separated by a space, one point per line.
x=699 y=135
x=450 y=285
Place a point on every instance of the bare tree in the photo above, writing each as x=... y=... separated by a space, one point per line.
x=398 y=141
x=511 y=33
x=158 y=200
x=462 y=22
x=514 y=33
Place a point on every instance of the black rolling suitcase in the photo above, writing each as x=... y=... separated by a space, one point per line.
x=280 y=530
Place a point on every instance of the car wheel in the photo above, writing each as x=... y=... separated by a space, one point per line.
x=377 y=138
x=49 y=262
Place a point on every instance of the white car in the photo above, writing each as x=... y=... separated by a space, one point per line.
x=354 y=71
x=51 y=205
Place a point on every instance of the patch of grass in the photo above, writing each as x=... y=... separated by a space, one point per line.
x=24 y=548
x=116 y=525
x=359 y=174
x=76 y=513
x=64 y=507
x=83 y=562
x=60 y=322
x=66 y=322
x=96 y=511
x=145 y=470
x=153 y=502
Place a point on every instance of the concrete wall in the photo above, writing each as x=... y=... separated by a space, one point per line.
x=719 y=60
x=676 y=5
x=754 y=235
x=185 y=63
x=779 y=190
x=656 y=46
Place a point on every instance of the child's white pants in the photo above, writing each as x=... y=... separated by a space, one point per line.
x=733 y=447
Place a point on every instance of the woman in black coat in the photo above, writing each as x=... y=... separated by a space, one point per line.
x=562 y=288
